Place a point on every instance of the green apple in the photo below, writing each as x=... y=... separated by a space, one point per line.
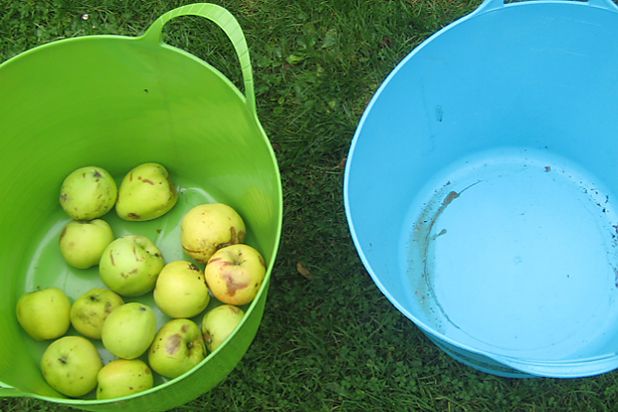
x=209 y=227
x=235 y=273
x=122 y=377
x=177 y=348
x=130 y=265
x=82 y=242
x=146 y=193
x=181 y=290
x=44 y=314
x=87 y=193
x=70 y=365
x=128 y=331
x=90 y=310
x=219 y=323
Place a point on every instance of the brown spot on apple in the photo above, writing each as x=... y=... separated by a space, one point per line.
x=148 y=181
x=236 y=236
x=186 y=249
x=184 y=328
x=173 y=343
x=222 y=245
x=232 y=285
x=111 y=257
x=207 y=337
x=193 y=266
x=133 y=215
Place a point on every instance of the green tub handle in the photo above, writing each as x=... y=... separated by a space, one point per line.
x=7 y=391
x=228 y=23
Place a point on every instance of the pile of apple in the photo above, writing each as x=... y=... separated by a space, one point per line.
x=132 y=266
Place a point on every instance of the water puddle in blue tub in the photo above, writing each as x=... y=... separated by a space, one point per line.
x=514 y=252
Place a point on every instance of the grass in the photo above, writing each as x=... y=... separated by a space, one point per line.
x=329 y=340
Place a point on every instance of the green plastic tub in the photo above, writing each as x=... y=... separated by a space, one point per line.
x=116 y=102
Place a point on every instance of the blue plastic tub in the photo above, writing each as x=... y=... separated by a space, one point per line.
x=481 y=188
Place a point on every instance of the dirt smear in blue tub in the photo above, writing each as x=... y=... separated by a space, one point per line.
x=422 y=253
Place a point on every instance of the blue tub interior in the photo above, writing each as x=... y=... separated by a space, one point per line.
x=481 y=188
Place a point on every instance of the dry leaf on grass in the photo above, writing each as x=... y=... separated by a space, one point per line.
x=303 y=271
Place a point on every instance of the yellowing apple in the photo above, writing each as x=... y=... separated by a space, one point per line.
x=235 y=273
x=122 y=377
x=146 y=193
x=70 y=365
x=44 y=314
x=87 y=193
x=219 y=323
x=209 y=227
x=90 y=310
x=181 y=290
x=130 y=265
x=82 y=242
x=128 y=331
x=177 y=348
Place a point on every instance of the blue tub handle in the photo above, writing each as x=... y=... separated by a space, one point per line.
x=489 y=5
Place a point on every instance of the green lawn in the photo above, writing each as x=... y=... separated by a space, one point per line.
x=329 y=339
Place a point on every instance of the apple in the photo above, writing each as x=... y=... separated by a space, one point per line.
x=122 y=377
x=130 y=265
x=209 y=227
x=90 y=310
x=146 y=193
x=128 y=331
x=87 y=193
x=234 y=274
x=219 y=323
x=44 y=314
x=181 y=290
x=177 y=348
x=70 y=365
x=82 y=242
